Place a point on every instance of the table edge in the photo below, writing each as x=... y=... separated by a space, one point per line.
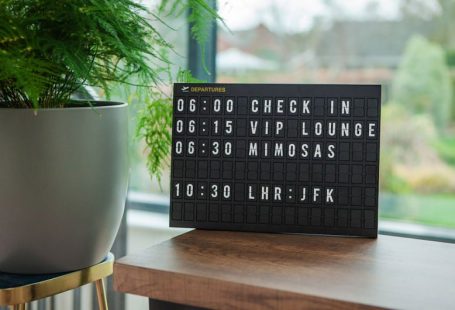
x=182 y=280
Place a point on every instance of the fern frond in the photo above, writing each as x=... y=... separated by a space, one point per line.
x=50 y=48
x=154 y=123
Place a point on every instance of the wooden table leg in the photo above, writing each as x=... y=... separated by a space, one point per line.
x=102 y=302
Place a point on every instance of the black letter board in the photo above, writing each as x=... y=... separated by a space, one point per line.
x=276 y=158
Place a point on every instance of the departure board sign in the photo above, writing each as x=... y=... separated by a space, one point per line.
x=276 y=158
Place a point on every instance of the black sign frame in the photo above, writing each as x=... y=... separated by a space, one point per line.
x=349 y=163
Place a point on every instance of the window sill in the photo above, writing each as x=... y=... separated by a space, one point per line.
x=151 y=211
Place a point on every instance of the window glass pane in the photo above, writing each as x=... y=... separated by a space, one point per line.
x=406 y=46
x=174 y=32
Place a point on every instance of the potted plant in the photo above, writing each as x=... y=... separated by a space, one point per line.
x=63 y=163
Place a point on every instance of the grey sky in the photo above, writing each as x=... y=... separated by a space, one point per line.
x=298 y=15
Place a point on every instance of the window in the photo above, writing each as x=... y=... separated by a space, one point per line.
x=407 y=46
x=176 y=33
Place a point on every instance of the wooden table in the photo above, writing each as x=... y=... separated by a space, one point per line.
x=225 y=270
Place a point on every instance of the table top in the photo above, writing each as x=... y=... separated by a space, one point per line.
x=219 y=269
x=22 y=288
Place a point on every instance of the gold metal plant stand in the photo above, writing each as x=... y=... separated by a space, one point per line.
x=35 y=287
